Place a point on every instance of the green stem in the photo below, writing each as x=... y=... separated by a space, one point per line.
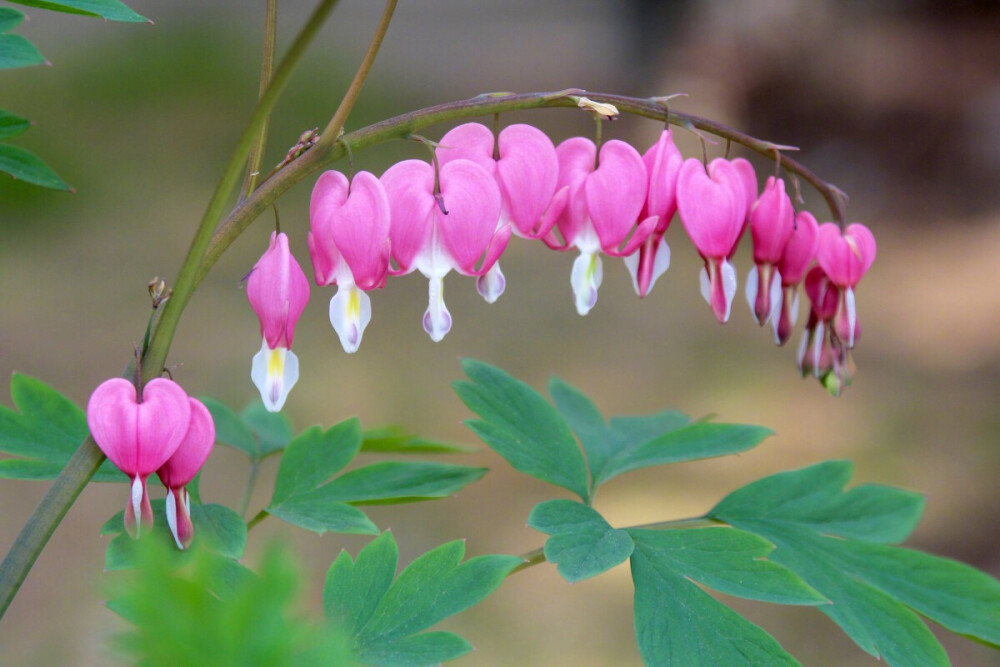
x=248 y=489
x=536 y=556
x=403 y=125
x=187 y=279
x=260 y=516
x=266 y=67
x=43 y=521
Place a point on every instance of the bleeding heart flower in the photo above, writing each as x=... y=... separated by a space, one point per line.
x=604 y=204
x=349 y=246
x=663 y=162
x=182 y=467
x=278 y=291
x=444 y=223
x=798 y=255
x=846 y=257
x=139 y=434
x=523 y=161
x=771 y=222
x=713 y=208
x=822 y=353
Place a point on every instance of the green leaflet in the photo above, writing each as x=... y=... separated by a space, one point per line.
x=112 y=10
x=875 y=588
x=582 y=543
x=385 y=616
x=44 y=432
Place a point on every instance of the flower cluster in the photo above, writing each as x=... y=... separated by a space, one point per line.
x=158 y=429
x=459 y=211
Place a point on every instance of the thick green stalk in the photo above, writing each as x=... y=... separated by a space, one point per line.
x=43 y=521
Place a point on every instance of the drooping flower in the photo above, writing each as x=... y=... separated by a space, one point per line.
x=604 y=205
x=663 y=162
x=444 y=223
x=523 y=161
x=798 y=255
x=278 y=291
x=181 y=468
x=349 y=246
x=845 y=257
x=772 y=220
x=822 y=353
x=712 y=206
x=139 y=434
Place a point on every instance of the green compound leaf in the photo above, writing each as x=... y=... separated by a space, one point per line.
x=677 y=623
x=877 y=590
x=9 y=19
x=271 y=429
x=112 y=10
x=583 y=544
x=221 y=529
x=384 y=616
x=11 y=125
x=520 y=425
x=230 y=429
x=395 y=440
x=45 y=431
x=26 y=166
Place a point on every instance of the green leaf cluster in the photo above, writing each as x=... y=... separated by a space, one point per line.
x=793 y=538
x=385 y=616
x=43 y=432
x=181 y=616
x=305 y=495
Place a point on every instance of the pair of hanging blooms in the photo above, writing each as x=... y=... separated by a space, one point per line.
x=459 y=212
x=155 y=429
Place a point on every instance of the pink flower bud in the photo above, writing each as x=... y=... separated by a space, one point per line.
x=771 y=223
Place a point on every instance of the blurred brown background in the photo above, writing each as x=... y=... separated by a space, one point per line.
x=898 y=103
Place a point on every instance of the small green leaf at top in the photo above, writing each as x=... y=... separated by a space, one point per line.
x=386 y=616
x=43 y=433
x=582 y=543
x=395 y=440
x=26 y=166
x=11 y=125
x=112 y=10
x=520 y=425
x=15 y=50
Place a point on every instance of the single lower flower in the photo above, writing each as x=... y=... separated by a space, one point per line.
x=772 y=220
x=139 y=433
x=278 y=291
x=845 y=257
x=181 y=468
x=795 y=260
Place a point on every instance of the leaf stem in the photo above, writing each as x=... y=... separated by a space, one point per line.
x=260 y=516
x=266 y=67
x=536 y=556
x=47 y=515
x=248 y=489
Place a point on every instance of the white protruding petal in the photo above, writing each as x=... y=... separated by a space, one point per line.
x=171 y=509
x=728 y=276
x=795 y=308
x=137 y=488
x=632 y=264
x=817 y=351
x=661 y=262
x=491 y=284
x=274 y=372
x=706 y=285
x=585 y=279
x=852 y=315
x=777 y=296
x=751 y=291
x=800 y=356
x=350 y=313
x=437 y=319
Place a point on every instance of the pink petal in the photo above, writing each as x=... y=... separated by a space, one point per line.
x=663 y=162
x=576 y=162
x=472 y=201
x=845 y=257
x=748 y=179
x=360 y=231
x=193 y=451
x=527 y=172
x=771 y=222
x=112 y=414
x=163 y=421
x=469 y=141
x=278 y=291
x=328 y=196
x=615 y=193
x=711 y=206
x=800 y=249
x=409 y=186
